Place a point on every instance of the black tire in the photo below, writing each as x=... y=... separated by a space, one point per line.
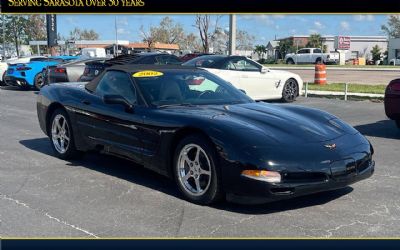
x=70 y=150
x=212 y=187
x=391 y=63
x=38 y=82
x=398 y=123
x=289 y=61
x=290 y=90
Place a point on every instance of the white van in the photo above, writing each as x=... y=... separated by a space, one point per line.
x=93 y=52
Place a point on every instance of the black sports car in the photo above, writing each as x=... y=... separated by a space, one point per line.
x=191 y=125
x=93 y=69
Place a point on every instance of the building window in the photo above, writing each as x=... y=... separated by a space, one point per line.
x=354 y=54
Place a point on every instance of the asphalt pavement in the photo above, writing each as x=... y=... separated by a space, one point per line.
x=105 y=197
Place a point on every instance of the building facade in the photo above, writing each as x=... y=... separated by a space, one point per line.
x=360 y=46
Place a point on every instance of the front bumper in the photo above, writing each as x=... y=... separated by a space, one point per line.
x=256 y=191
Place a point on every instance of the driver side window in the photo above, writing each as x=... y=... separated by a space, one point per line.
x=117 y=83
x=240 y=65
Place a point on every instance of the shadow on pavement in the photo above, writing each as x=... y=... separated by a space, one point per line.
x=136 y=174
x=384 y=129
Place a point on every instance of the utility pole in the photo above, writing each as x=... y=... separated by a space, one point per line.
x=4 y=36
x=116 y=37
x=232 y=34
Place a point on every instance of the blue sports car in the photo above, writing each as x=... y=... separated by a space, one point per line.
x=27 y=75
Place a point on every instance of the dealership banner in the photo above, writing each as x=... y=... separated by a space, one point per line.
x=200 y=6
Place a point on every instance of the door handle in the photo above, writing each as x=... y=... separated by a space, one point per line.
x=86 y=102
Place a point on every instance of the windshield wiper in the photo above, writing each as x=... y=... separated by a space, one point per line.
x=177 y=104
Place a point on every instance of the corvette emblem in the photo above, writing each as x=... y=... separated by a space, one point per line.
x=330 y=146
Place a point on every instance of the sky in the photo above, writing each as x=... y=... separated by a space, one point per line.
x=264 y=27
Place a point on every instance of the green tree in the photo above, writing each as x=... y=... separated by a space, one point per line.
x=168 y=32
x=314 y=41
x=376 y=53
x=392 y=29
x=16 y=27
x=285 y=47
x=260 y=50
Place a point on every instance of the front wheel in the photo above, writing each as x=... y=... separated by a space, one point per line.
x=61 y=136
x=195 y=170
x=290 y=91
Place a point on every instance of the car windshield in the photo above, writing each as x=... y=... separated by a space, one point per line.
x=188 y=88
x=203 y=61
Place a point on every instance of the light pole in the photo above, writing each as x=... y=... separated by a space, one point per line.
x=232 y=34
x=116 y=37
x=4 y=36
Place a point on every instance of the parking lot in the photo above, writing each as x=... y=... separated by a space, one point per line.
x=102 y=196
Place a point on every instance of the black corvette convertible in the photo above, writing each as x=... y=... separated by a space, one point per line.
x=211 y=138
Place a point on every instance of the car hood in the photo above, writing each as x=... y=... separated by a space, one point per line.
x=281 y=124
x=284 y=73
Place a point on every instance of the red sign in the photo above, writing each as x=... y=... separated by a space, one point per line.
x=343 y=42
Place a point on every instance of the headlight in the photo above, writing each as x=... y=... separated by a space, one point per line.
x=263 y=175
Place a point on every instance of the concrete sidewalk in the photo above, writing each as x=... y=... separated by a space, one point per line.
x=340 y=93
x=334 y=68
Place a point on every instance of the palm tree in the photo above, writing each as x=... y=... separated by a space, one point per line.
x=315 y=41
x=260 y=50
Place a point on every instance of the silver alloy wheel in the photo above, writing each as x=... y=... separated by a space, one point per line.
x=290 y=90
x=60 y=134
x=194 y=169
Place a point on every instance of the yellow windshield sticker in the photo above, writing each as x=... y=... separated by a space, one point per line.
x=147 y=73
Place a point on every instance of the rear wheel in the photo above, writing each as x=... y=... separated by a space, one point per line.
x=61 y=136
x=195 y=170
x=39 y=81
x=290 y=90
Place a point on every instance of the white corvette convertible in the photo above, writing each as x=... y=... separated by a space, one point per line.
x=259 y=82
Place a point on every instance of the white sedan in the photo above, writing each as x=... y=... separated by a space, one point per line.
x=257 y=81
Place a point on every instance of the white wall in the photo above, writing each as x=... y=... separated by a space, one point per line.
x=394 y=44
x=363 y=45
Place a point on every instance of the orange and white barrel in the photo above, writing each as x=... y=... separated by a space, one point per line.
x=320 y=74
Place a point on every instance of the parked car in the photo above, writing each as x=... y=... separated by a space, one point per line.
x=68 y=72
x=311 y=55
x=392 y=101
x=190 y=56
x=257 y=81
x=395 y=61
x=27 y=75
x=93 y=69
x=196 y=128
x=4 y=64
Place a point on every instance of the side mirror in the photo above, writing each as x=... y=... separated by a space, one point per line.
x=244 y=92
x=264 y=70
x=117 y=99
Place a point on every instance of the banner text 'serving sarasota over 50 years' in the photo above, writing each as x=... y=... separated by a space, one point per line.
x=76 y=3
